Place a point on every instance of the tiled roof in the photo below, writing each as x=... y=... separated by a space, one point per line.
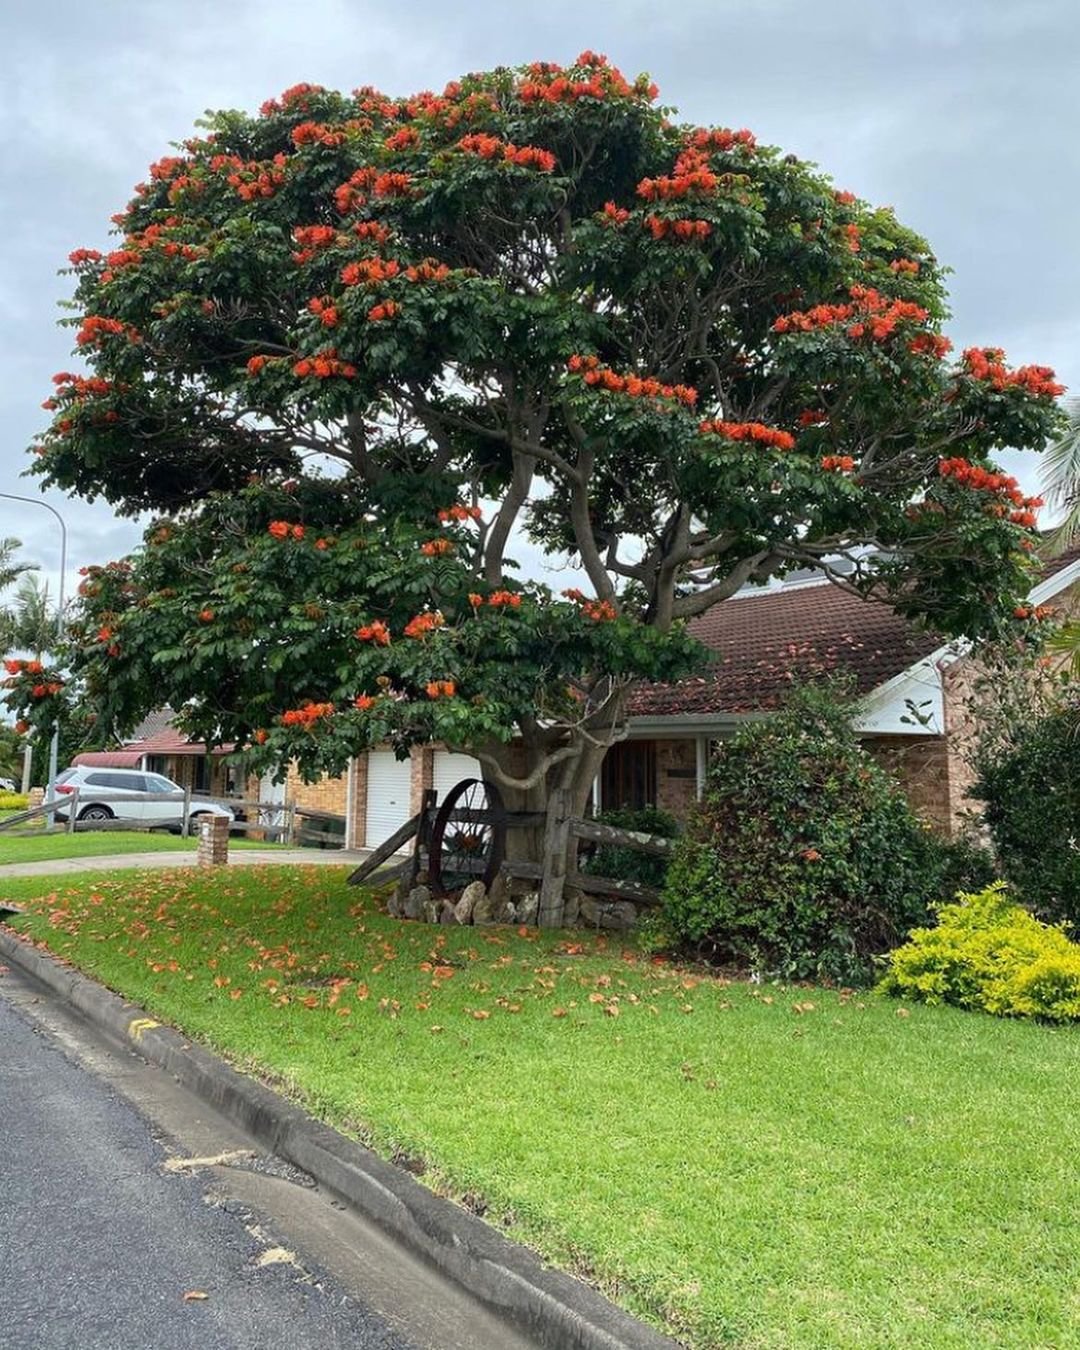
x=763 y=643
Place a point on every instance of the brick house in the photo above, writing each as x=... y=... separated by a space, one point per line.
x=912 y=715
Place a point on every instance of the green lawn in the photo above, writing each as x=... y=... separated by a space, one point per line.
x=754 y=1166
x=95 y=844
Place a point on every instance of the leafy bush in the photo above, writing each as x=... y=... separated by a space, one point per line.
x=627 y=864
x=1031 y=791
x=990 y=954
x=805 y=858
x=14 y=801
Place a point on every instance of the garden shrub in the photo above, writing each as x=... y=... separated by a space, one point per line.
x=14 y=801
x=627 y=864
x=1031 y=791
x=988 y=953
x=804 y=859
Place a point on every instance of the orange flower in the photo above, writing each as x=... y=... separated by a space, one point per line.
x=376 y=632
x=423 y=624
x=279 y=529
x=436 y=547
x=206 y=616
x=260 y=737
x=441 y=689
x=364 y=702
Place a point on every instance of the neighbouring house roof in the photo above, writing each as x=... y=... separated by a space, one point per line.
x=764 y=642
x=109 y=759
x=172 y=742
x=153 y=723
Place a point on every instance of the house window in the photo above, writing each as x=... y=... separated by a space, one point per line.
x=628 y=776
x=157 y=764
x=201 y=774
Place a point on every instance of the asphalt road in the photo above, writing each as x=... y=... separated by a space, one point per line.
x=100 y=1243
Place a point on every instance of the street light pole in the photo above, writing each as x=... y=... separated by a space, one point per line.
x=54 y=744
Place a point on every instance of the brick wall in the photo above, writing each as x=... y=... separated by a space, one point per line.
x=676 y=776
x=923 y=767
x=325 y=794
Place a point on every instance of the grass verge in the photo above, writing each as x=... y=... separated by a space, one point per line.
x=106 y=843
x=744 y=1165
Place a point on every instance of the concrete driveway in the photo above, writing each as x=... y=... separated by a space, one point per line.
x=248 y=857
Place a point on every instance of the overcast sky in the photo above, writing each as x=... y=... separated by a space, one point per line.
x=962 y=115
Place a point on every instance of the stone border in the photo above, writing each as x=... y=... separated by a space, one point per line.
x=559 y=1311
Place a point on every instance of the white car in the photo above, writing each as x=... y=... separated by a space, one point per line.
x=124 y=794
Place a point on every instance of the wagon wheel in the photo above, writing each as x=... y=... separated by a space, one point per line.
x=468 y=838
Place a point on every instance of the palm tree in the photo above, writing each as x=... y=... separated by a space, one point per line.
x=10 y=570
x=31 y=624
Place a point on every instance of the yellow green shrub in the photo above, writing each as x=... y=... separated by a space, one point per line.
x=13 y=801
x=989 y=954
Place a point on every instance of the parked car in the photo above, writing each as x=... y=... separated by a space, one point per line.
x=8 y=785
x=125 y=794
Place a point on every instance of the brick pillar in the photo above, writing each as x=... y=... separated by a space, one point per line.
x=213 y=841
x=36 y=796
x=356 y=807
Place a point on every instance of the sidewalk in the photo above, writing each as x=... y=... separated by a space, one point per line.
x=248 y=857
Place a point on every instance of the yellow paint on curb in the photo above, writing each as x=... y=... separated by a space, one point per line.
x=141 y=1025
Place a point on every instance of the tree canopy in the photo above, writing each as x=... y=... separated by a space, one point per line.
x=346 y=349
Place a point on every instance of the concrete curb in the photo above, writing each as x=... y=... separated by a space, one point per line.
x=559 y=1311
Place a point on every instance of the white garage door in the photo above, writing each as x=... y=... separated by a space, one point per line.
x=449 y=769
x=388 y=789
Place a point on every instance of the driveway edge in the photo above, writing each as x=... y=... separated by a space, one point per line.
x=559 y=1311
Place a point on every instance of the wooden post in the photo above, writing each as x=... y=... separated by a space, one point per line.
x=556 y=841
x=291 y=836
x=73 y=811
x=185 y=824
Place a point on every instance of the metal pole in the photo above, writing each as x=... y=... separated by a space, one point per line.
x=54 y=744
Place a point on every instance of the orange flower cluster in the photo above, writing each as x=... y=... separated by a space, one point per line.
x=845 y=198
x=459 y=512
x=429 y=270
x=258 y=180
x=386 y=310
x=76 y=388
x=206 y=616
x=613 y=214
x=683 y=230
x=721 y=138
x=365 y=702
x=323 y=366
x=1036 y=612
x=15 y=667
x=875 y=314
x=327 y=311
x=307 y=714
x=310 y=239
x=908 y=265
x=600 y=611
x=441 y=689
x=84 y=255
x=423 y=624
x=837 y=463
x=94 y=329
x=812 y=417
x=352 y=194
x=691 y=174
x=372 y=230
x=490 y=147
x=281 y=529
x=988 y=364
x=392 y=185
x=854 y=237
x=315 y=133
x=256 y=363
x=501 y=599
x=403 y=139
x=435 y=548
x=594 y=374
x=369 y=270
x=376 y=632
x=750 y=431
x=548 y=84
x=296 y=97
x=930 y=344
x=45 y=690
x=970 y=475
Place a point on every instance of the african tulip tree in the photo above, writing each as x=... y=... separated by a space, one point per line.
x=346 y=349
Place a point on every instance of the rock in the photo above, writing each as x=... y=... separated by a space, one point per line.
x=528 y=908
x=572 y=899
x=504 y=912
x=484 y=911
x=614 y=914
x=474 y=891
x=395 y=905
x=431 y=910
x=447 y=914
x=415 y=901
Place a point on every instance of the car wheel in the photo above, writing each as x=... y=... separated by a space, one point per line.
x=95 y=813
